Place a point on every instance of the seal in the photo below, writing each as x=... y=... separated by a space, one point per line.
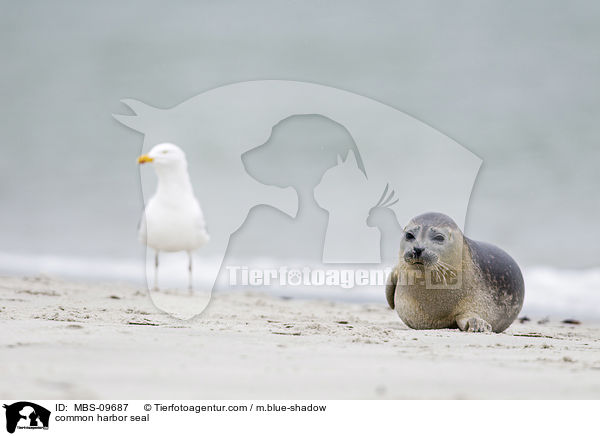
x=445 y=280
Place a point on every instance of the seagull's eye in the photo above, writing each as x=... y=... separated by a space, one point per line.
x=165 y=151
x=439 y=238
x=409 y=236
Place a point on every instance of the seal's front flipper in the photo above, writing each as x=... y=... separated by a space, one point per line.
x=390 y=287
x=473 y=323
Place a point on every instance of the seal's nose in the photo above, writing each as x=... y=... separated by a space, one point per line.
x=418 y=251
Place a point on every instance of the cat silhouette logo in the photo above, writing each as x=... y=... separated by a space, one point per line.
x=26 y=415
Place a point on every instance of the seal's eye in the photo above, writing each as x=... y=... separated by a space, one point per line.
x=439 y=238
x=409 y=236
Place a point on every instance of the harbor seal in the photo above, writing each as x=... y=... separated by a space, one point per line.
x=445 y=280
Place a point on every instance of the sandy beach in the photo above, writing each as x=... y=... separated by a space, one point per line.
x=78 y=340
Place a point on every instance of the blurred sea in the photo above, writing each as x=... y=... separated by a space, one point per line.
x=517 y=87
x=557 y=293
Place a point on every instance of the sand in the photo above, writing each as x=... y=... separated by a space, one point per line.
x=64 y=340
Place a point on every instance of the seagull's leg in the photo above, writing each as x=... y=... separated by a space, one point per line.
x=191 y=278
x=155 y=288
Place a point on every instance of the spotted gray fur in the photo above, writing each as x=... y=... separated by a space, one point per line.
x=481 y=287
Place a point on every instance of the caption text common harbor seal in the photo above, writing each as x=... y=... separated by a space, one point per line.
x=446 y=280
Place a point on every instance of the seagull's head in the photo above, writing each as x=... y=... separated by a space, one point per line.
x=164 y=156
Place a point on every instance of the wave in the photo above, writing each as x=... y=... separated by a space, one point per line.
x=556 y=293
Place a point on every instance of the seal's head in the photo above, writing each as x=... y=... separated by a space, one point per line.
x=432 y=240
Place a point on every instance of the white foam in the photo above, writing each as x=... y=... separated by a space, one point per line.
x=73 y=267
x=564 y=293
x=551 y=292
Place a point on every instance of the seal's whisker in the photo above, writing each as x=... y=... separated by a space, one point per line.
x=450 y=270
x=442 y=267
x=447 y=265
x=439 y=273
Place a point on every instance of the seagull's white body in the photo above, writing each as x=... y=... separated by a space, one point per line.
x=172 y=220
x=167 y=228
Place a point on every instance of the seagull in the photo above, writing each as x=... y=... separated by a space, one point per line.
x=172 y=220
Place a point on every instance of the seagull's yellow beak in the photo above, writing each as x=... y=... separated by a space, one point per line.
x=144 y=159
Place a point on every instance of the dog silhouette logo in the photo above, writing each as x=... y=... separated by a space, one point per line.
x=26 y=415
